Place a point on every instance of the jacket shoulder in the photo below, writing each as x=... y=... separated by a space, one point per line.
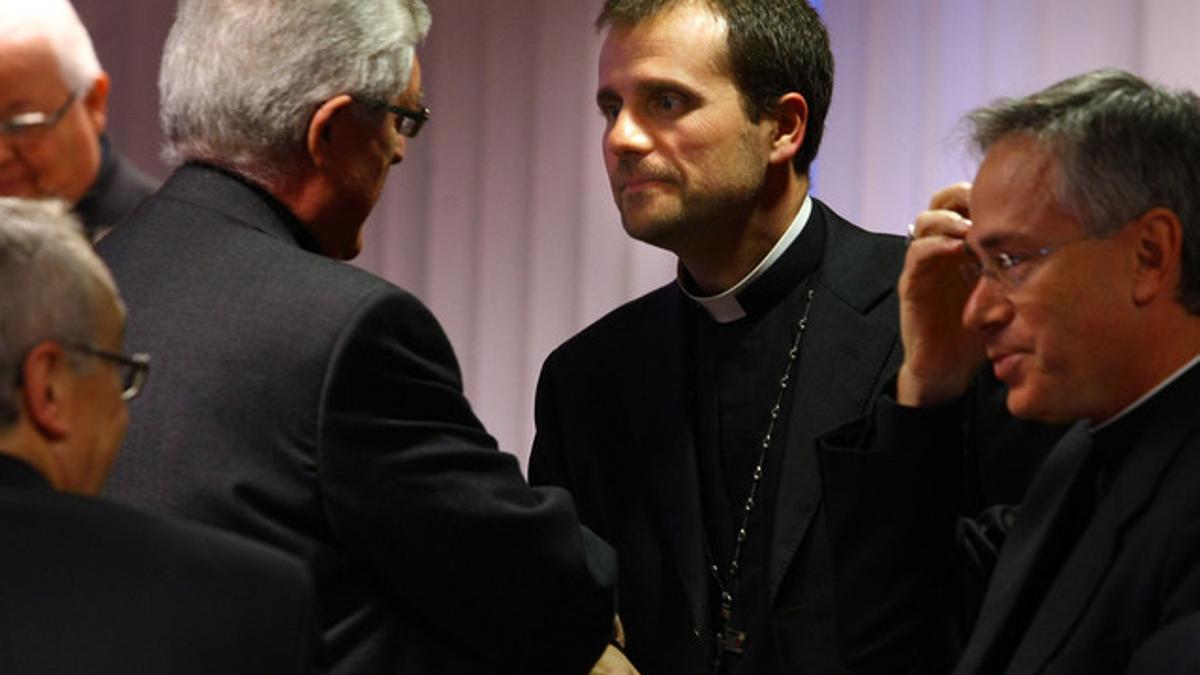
x=859 y=266
x=626 y=326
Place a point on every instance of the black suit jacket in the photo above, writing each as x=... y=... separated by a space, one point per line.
x=615 y=427
x=92 y=587
x=1173 y=650
x=1135 y=568
x=306 y=403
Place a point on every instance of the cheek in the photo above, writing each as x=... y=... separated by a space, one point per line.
x=1069 y=337
x=68 y=161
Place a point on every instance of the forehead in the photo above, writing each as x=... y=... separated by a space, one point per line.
x=1014 y=198
x=28 y=72
x=686 y=43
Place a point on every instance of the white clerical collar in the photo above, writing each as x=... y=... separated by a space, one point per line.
x=1145 y=397
x=724 y=307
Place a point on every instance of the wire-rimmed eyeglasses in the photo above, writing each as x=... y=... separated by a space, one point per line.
x=1007 y=269
x=408 y=120
x=132 y=369
x=30 y=125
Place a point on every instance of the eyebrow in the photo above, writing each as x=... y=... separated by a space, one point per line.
x=19 y=107
x=606 y=95
x=1003 y=240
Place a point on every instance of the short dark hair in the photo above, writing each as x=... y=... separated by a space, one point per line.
x=1122 y=146
x=775 y=47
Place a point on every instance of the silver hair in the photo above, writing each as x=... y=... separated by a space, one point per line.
x=241 y=79
x=1122 y=146
x=51 y=280
x=56 y=22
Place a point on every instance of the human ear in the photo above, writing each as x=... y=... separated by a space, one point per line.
x=44 y=387
x=95 y=102
x=791 y=123
x=1157 y=245
x=320 y=137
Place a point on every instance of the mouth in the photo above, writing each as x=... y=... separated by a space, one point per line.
x=642 y=183
x=1006 y=365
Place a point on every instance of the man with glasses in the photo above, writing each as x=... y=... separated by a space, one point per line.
x=90 y=586
x=1080 y=240
x=53 y=110
x=309 y=404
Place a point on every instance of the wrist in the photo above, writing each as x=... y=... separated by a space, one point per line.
x=915 y=391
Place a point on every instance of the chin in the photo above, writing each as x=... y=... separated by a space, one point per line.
x=342 y=245
x=654 y=229
x=349 y=252
x=1028 y=405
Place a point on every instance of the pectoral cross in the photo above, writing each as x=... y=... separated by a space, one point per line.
x=729 y=640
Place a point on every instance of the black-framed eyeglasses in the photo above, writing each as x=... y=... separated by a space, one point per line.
x=133 y=368
x=1006 y=268
x=408 y=120
x=30 y=124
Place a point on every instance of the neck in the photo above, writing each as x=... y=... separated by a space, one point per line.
x=309 y=197
x=23 y=443
x=1171 y=344
x=734 y=247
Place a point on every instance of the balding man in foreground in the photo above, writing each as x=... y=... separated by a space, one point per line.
x=90 y=586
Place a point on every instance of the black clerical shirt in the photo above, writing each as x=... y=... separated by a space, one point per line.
x=737 y=370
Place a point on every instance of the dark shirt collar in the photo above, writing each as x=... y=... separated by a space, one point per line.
x=16 y=474
x=1144 y=398
x=795 y=256
x=240 y=198
x=1113 y=440
x=91 y=207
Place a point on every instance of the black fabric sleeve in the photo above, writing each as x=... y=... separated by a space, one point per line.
x=909 y=573
x=414 y=484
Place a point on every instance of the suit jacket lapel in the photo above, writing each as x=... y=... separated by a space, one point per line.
x=661 y=413
x=1132 y=489
x=1038 y=517
x=841 y=361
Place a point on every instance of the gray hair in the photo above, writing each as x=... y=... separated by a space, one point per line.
x=51 y=279
x=241 y=79
x=1122 y=146
x=56 y=22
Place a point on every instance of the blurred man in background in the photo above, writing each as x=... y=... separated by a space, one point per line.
x=53 y=110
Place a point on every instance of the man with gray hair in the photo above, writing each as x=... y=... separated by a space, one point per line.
x=90 y=586
x=53 y=111
x=307 y=403
x=1080 y=238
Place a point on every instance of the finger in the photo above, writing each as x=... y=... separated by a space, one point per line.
x=930 y=251
x=939 y=223
x=956 y=197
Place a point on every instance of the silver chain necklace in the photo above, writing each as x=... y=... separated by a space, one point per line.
x=728 y=638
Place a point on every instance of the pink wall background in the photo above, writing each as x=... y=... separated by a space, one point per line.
x=501 y=220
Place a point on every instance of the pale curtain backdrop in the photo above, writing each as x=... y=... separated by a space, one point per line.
x=501 y=220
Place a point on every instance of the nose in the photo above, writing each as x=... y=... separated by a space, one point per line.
x=398 y=149
x=626 y=136
x=987 y=308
